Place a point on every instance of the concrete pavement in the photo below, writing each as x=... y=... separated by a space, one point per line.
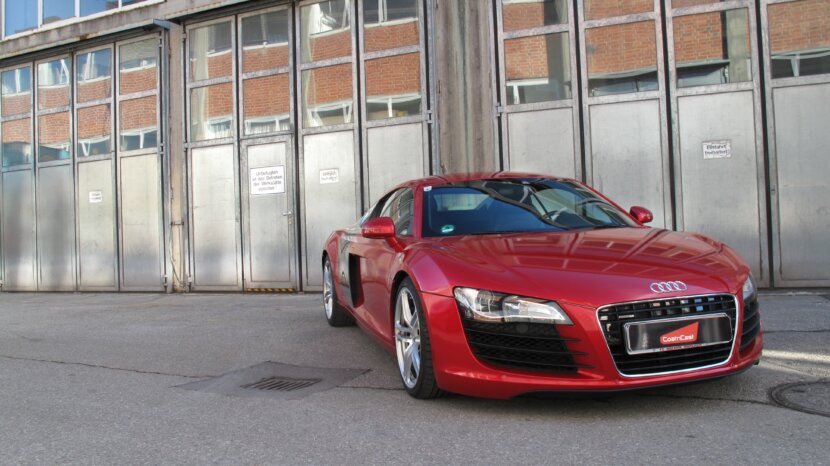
x=95 y=379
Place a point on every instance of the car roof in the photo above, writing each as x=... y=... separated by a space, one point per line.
x=462 y=177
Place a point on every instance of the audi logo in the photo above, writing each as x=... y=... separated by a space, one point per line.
x=668 y=287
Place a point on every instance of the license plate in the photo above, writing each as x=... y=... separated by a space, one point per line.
x=676 y=334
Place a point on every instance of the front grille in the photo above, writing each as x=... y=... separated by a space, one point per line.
x=531 y=346
x=612 y=319
x=752 y=324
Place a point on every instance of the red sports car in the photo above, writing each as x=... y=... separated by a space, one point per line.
x=495 y=285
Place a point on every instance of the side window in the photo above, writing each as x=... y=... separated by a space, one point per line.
x=381 y=208
x=399 y=208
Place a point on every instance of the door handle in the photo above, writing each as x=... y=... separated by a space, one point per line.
x=287 y=214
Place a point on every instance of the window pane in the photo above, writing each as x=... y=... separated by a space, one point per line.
x=712 y=48
x=17 y=142
x=538 y=68
x=265 y=41
x=267 y=104
x=800 y=38
x=393 y=86
x=94 y=130
x=210 y=51
x=53 y=137
x=17 y=91
x=131 y=2
x=93 y=73
x=56 y=10
x=137 y=65
x=53 y=84
x=524 y=14
x=211 y=112
x=325 y=29
x=90 y=7
x=20 y=16
x=327 y=96
x=596 y=9
x=622 y=58
x=389 y=24
x=137 y=124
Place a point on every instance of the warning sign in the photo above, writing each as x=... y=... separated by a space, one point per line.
x=717 y=150
x=96 y=197
x=329 y=175
x=268 y=180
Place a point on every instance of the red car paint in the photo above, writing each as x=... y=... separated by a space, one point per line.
x=582 y=270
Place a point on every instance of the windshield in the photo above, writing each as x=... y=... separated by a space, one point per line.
x=515 y=205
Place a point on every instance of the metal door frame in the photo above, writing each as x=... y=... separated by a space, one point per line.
x=231 y=141
x=248 y=282
x=753 y=85
x=660 y=94
x=279 y=136
x=503 y=110
x=69 y=56
x=111 y=157
x=770 y=86
x=159 y=150
x=21 y=167
x=425 y=118
x=303 y=132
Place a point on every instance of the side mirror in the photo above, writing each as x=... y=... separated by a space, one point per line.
x=379 y=228
x=641 y=214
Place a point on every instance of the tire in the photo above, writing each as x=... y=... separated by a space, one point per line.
x=335 y=314
x=412 y=348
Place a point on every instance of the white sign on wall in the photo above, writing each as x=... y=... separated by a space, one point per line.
x=329 y=175
x=96 y=197
x=717 y=150
x=267 y=180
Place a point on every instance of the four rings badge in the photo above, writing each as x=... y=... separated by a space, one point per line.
x=668 y=287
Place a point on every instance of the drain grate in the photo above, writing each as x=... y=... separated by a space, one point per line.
x=280 y=384
x=275 y=380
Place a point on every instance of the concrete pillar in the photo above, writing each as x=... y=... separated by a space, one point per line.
x=175 y=167
x=466 y=98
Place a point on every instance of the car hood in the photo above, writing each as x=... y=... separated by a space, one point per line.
x=586 y=267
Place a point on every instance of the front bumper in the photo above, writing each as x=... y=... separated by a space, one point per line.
x=457 y=370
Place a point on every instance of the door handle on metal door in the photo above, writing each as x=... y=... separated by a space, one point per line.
x=287 y=214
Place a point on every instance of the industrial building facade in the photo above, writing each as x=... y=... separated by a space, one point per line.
x=213 y=145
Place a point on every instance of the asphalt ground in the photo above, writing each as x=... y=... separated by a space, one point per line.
x=97 y=379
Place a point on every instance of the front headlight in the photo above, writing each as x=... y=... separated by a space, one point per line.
x=749 y=290
x=489 y=306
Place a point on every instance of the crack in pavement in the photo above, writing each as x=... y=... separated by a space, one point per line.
x=98 y=366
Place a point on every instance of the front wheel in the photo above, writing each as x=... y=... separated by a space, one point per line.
x=335 y=314
x=412 y=347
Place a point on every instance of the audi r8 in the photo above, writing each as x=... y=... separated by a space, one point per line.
x=496 y=285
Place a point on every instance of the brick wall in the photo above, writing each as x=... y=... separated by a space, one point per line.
x=98 y=89
x=137 y=80
x=52 y=96
x=329 y=84
x=621 y=48
x=264 y=58
x=17 y=103
x=385 y=37
x=94 y=121
x=526 y=58
x=800 y=25
x=53 y=128
x=400 y=74
x=330 y=45
x=18 y=131
x=138 y=113
x=266 y=96
x=595 y=9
